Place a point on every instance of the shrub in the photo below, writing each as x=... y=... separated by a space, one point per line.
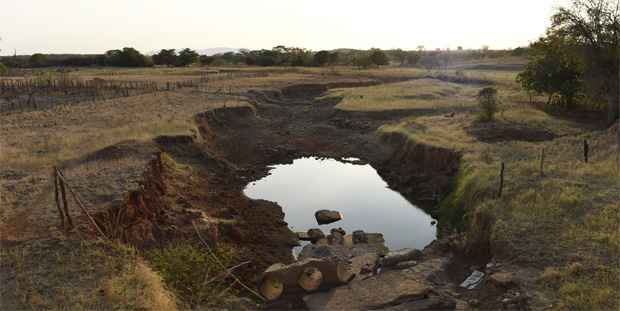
x=489 y=103
x=193 y=273
x=3 y=69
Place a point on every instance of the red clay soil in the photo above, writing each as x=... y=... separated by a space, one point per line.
x=174 y=199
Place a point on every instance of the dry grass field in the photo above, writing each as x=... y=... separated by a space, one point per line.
x=556 y=228
x=564 y=220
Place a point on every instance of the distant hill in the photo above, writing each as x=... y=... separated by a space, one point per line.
x=213 y=51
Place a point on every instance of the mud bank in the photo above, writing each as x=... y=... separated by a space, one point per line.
x=198 y=182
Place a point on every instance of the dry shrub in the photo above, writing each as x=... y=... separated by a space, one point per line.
x=194 y=274
x=139 y=288
x=489 y=103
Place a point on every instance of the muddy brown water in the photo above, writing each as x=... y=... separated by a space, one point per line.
x=356 y=190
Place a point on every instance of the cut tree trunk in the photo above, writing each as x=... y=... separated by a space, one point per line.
x=306 y=275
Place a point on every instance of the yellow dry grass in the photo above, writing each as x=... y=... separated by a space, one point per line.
x=74 y=275
x=420 y=94
x=569 y=214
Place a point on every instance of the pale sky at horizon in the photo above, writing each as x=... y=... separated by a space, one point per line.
x=95 y=26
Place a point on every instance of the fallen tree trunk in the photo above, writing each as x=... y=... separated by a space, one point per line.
x=303 y=276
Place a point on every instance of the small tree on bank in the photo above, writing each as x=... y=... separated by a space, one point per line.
x=489 y=103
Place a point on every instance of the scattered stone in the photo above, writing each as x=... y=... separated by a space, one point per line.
x=473 y=280
x=395 y=257
x=348 y=241
x=335 y=239
x=314 y=235
x=338 y=231
x=406 y=264
x=303 y=236
x=502 y=279
x=318 y=251
x=374 y=238
x=322 y=241
x=324 y=217
x=474 y=302
x=359 y=237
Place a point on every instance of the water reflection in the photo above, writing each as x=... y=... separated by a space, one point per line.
x=357 y=191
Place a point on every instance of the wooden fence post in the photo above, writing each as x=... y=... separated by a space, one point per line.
x=63 y=195
x=542 y=161
x=57 y=198
x=81 y=205
x=501 y=181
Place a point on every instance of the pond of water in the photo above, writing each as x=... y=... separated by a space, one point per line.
x=357 y=191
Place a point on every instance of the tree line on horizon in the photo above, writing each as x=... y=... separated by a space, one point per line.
x=277 y=56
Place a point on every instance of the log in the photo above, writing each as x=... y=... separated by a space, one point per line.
x=271 y=289
x=310 y=279
x=303 y=276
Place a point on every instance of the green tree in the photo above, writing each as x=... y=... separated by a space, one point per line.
x=400 y=56
x=413 y=58
x=187 y=57
x=334 y=57
x=127 y=57
x=206 y=60
x=3 y=69
x=552 y=70
x=362 y=60
x=593 y=26
x=166 y=57
x=378 y=57
x=38 y=60
x=321 y=58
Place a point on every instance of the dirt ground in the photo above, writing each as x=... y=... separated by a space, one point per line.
x=154 y=168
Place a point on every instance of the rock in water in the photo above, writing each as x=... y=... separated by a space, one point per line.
x=315 y=235
x=359 y=236
x=324 y=217
x=339 y=231
x=336 y=237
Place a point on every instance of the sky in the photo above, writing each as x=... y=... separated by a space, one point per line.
x=95 y=26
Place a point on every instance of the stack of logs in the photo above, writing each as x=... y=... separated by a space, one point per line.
x=327 y=262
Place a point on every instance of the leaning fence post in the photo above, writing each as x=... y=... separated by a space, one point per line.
x=586 y=149
x=63 y=195
x=81 y=205
x=501 y=181
x=542 y=161
x=57 y=198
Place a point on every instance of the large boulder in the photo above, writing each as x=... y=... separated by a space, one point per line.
x=324 y=217
x=394 y=257
x=383 y=291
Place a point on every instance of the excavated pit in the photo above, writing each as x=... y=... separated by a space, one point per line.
x=352 y=188
x=199 y=180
